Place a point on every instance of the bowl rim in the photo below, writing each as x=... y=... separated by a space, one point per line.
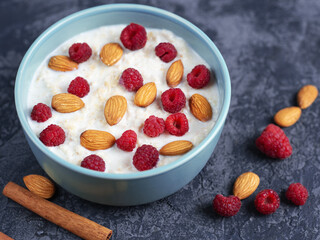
x=124 y=7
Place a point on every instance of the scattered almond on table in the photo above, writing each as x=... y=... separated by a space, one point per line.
x=306 y=96
x=245 y=185
x=39 y=185
x=286 y=117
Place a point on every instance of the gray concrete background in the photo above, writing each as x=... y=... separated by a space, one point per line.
x=272 y=48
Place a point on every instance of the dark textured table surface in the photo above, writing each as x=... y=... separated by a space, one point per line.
x=272 y=48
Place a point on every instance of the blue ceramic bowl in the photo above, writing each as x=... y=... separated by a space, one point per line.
x=133 y=188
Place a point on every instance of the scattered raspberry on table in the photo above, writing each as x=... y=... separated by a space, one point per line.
x=146 y=157
x=94 y=162
x=166 y=51
x=131 y=79
x=173 y=100
x=80 y=52
x=177 y=124
x=297 y=194
x=274 y=143
x=267 y=201
x=199 y=77
x=226 y=206
x=41 y=112
x=133 y=36
x=79 y=87
x=127 y=141
x=52 y=136
x=153 y=126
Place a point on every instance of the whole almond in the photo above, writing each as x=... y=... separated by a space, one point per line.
x=111 y=53
x=146 y=95
x=200 y=107
x=176 y=148
x=115 y=108
x=306 y=96
x=245 y=185
x=96 y=140
x=175 y=73
x=39 y=185
x=66 y=103
x=62 y=63
x=287 y=117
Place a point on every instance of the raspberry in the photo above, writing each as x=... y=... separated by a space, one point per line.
x=41 y=112
x=127 y=141
x=146 y=157
x=267 y=201
x=94 y=162
x=199 y=77
x=177 y=124
x=80 y=52
x=173 y=100
x=133 y=36
x=166 y=51
x=79 y=86
x=153 y=126
x=297 y=194
x=226 y=206
x=53 y=135
x=131 y=79
x=274 y=143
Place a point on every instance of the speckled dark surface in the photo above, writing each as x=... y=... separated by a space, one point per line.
x=272 y=48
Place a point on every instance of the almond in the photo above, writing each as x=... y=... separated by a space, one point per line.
x=39 y=185
x=62 y=63
x=175 y=73
x=176 y=148
x=96 y=140
x=287 y=116
x=146 y=95
x=66 y=103
x=245 y=185
x=111 y=53
x=306 y=96
x=200 y=107
x=115 y=108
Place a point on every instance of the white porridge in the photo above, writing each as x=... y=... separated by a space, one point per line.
x=104 y=83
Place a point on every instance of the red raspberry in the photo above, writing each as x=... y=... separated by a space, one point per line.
x=226 y=206
x=173 y=100
x=146 y=157
x=79 y=86
x=166 y=51
x=80 y=52
x=297 y=194
x=41 y=112
x=131 y=79
x=53 y=135
x=274 y=143
x=127 y=141
x=177 y=124
x=267 y=201
x=199 y=77
x=94 y=162
x=133 y=36
x=153 y=126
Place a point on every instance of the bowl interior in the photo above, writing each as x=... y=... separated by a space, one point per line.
x=120 y=14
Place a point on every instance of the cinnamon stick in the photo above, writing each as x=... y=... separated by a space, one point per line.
x=5 y=237
x=62 y=217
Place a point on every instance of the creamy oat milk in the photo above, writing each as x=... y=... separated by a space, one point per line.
x=104 y=83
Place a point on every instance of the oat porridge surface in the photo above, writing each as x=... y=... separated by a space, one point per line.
x=104 y=83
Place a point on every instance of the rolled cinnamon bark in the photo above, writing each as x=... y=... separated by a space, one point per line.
x=5 y=237
x=60 y=216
